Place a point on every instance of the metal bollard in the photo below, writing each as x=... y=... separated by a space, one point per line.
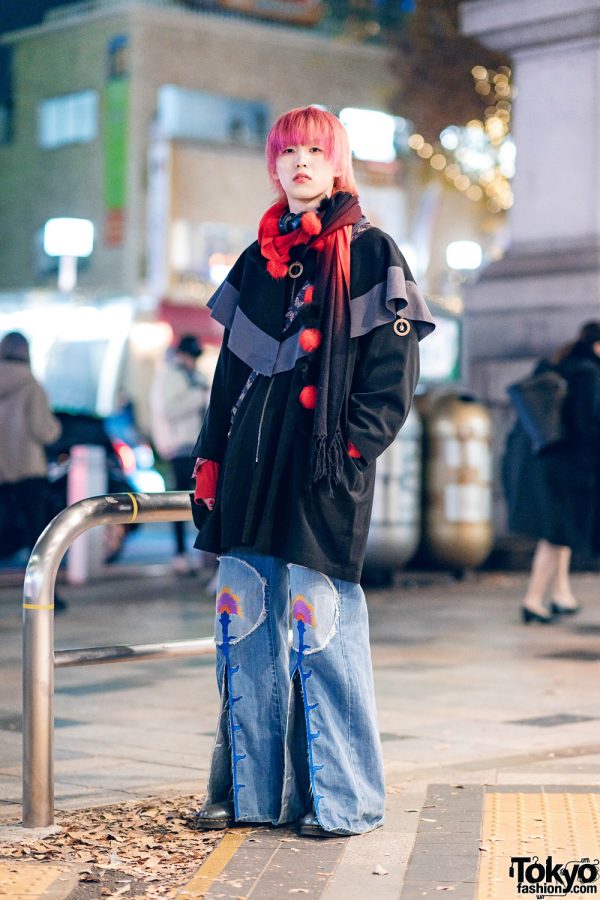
x=38 y=630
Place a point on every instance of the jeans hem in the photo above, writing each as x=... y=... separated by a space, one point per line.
x=345 y=832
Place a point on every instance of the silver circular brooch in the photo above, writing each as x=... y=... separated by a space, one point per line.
x=402 y=326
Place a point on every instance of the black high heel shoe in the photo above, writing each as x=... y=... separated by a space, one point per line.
x=528 y=615
x=559 y=610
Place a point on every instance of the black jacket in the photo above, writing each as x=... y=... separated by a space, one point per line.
x=264 y=503
x=556 y=495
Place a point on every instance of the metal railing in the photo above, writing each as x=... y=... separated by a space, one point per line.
x=39 y=657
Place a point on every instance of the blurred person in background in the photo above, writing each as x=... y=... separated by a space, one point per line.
x=315 y=378
x=178 y=399
x=554 y=496
x=26 y=426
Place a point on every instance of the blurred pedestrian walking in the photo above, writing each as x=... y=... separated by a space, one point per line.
x=178 y=400
x=554 y=494
x=26 y=426
x=315 y=378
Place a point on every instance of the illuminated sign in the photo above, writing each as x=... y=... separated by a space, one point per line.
x=115 y=139
x=68 y=237
x=305 y=12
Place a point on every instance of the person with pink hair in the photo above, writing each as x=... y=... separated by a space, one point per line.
x=315 y=378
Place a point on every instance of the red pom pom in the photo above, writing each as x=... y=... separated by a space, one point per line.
x=310 y=339
x=277 y=269
x=319 y=245
x=310 y=223
x=308 y=294
x=308 y=396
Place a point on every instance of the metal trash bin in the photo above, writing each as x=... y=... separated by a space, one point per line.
x=458 y=530
x=395 y=527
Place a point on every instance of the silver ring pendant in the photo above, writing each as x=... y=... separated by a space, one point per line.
x=402 y=326
x=295 y=269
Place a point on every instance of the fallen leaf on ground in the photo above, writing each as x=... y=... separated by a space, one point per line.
x=159 y=849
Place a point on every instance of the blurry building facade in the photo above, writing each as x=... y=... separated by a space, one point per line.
x=532 y=301
x=148 y=118
x=527 y=304
x=150 y=121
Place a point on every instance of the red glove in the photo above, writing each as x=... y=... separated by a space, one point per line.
x=206 y=473
x=353 y=451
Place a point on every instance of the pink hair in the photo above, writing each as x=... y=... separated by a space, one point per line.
x=309 y=125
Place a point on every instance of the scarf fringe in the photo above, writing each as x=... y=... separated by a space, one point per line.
x=327 y=461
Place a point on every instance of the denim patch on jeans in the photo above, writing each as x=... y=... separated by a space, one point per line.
x=297 y=728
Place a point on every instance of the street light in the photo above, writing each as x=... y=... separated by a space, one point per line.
x=69 y=239
x=463 y=256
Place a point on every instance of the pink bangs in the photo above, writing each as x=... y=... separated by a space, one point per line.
x=310 y=125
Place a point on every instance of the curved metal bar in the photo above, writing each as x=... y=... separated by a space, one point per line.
x=94 y=656
x=38 y=627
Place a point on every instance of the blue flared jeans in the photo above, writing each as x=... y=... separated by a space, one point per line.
x=297 y=730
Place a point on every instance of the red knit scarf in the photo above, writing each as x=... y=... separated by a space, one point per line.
x=275 y=247
x=329 y=233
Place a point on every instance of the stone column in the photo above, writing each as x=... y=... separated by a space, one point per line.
x=548 y=283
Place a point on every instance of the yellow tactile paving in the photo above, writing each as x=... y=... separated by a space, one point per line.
x=563 y=826
x=214 y=864
x=25 y=881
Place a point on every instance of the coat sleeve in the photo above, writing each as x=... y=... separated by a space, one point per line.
x=383 y=384
x=44 y=427
x=387 y=364
x=229 y=378
x=230 y=374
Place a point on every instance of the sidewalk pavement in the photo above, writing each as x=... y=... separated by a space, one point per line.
x=490 y=732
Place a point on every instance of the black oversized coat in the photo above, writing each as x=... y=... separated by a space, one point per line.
x=556 y=495
x=263 y=502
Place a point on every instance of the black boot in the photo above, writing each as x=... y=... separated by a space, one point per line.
x=309 y=827
x=215 y=817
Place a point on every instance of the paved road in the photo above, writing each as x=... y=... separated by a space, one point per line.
x=479 y=715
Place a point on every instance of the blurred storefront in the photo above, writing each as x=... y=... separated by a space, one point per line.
x=148 y=119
